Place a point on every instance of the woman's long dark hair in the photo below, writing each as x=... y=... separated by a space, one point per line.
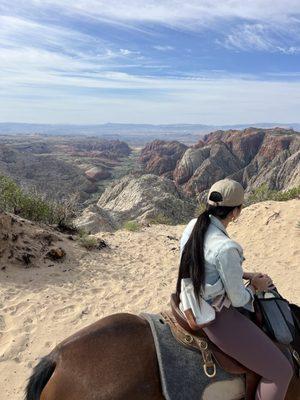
x=192 y=263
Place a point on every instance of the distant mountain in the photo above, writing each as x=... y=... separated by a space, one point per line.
x=136 y=134
x=104 y=129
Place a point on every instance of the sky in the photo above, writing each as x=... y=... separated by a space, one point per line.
x=155 y=61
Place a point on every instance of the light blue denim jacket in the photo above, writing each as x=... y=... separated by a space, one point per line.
x=223 y=265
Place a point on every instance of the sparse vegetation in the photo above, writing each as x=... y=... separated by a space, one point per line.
x=32 y=205
x=132 y=225
x=87 y=241
x=161 y=219
x=263 y=193
x=199 y=209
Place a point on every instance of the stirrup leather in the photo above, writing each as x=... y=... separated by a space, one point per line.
x=190 y=340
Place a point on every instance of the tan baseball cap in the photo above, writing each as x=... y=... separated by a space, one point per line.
x=228 y=193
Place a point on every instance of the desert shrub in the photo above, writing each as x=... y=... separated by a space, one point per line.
x=87 y=241
x=32 y=205
x=287 y=194
x=160 y=218
x=263 y=193
x=131 y=225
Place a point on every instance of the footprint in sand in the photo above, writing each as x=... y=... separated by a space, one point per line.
x=16 y=344
x=63 y=312
x=2 y=326
x=2 y=323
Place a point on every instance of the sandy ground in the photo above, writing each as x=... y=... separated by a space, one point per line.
x=39 y=307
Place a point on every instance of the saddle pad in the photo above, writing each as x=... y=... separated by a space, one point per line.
x=181 y=372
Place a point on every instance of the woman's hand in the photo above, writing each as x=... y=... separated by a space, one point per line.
x=262 y=282
x=251 y=275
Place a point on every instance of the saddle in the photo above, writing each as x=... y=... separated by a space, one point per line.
x=198 y=341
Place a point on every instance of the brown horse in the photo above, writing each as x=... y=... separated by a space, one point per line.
x=112 y=359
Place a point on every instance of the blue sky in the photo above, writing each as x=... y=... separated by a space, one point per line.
x=155 y=61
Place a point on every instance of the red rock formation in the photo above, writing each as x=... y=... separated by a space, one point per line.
x=160 y=157
x=252 y=156
x=273 y=145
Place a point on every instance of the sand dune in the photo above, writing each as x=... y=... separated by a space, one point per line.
x=41 y=306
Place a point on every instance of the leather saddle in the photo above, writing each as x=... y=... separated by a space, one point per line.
x=198 y=340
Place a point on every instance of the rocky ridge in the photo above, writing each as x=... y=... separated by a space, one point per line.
x=160 y=156
x=144 y=199
x=59 y=167
x=252 y=157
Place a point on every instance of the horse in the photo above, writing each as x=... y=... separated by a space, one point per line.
x=112 y=359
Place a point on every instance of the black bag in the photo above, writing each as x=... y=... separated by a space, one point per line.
x=277 y=317
x=295 y=345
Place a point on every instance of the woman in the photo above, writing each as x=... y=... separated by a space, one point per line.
x=214 y=263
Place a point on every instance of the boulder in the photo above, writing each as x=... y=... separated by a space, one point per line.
x=94 y=219
x=96 y=174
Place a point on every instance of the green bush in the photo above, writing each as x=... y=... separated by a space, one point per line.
x=87 y=241
x=132 y=226
x=263 y=193
x=31 y=205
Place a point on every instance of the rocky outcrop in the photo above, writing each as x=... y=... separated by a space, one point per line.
x=191 y=160
x=200 y=168
x=252 y=157
x=160 y=157
x=27 y=244
x=96 y=174
x=111 y=149
x=277 y=164
x=147 y=198
x=95 y=219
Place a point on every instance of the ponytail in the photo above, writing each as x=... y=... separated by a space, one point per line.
x=192 y=264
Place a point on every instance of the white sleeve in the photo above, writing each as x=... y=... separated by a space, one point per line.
x=229 y=266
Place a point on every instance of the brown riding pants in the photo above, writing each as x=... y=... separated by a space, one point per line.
x=240 y=338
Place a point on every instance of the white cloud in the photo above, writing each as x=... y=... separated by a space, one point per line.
x=259 y=37
x=224 y=101
x=163 y=48
x=172 y=12
x=68 y=76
